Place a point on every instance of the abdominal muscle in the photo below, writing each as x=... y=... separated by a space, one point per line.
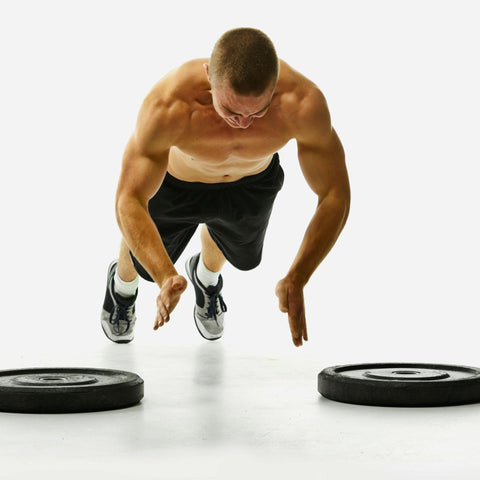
x=195 y=169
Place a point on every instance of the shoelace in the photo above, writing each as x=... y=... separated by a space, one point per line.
x=119 y=313
x=212 y=306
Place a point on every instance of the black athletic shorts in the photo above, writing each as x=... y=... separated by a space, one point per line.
x=235 y=213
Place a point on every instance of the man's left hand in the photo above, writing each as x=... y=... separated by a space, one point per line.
x=290 y=296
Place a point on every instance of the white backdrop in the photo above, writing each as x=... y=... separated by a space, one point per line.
x=401 y=79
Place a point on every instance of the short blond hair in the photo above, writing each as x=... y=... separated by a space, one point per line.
x=246 y=59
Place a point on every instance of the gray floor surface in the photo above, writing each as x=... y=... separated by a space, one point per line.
x=214 y=412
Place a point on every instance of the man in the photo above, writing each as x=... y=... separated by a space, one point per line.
x=204 y=152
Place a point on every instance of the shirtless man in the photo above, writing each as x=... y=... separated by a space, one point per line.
x=204 y=152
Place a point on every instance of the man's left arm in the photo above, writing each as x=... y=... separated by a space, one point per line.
x=322 y=160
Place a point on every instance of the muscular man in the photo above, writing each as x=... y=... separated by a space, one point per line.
x=204 y=152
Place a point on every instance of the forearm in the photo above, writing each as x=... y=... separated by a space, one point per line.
x=321 y=234
x=143 y=239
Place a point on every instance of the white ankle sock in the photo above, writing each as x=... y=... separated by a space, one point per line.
x=206 y=276
x=125 y=289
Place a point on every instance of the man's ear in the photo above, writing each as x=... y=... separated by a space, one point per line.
x=206 y=67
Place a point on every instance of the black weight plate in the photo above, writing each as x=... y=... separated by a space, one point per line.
x=68 y=390
x=401 y=384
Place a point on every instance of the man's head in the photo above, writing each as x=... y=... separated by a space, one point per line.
x=243 y=72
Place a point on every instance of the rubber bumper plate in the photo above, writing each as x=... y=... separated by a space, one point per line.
x=401 y=384
x=68 y=390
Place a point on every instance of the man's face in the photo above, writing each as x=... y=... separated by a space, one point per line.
x=240 y=111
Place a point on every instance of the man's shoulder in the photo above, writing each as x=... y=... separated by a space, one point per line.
x=180 y=83
x=171 y=97
x=299 y=88
x=166 y=109
x=192 y=71
x=302 y=99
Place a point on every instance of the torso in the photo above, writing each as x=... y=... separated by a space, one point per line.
x=207 y=149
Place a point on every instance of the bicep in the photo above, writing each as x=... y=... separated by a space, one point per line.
x=145 y=160
x=322 y=160
x=141 y=174
x=320 y=151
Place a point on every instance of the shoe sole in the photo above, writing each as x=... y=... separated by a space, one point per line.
x=111 y=339
x=197 y=323
x=201 y=329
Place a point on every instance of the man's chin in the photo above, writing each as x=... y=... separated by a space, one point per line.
x=234 y=125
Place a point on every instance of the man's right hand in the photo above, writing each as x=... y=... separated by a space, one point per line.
x=168 y=298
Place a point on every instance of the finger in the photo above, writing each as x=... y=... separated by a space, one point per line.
x=163 y=304
x=282 y=295
x=294 y=319
x=164 y=312
x=162 y=316
x=305 y=333
x=296 y=333
x=297 y=341
x=302 y=322
x=160 y=322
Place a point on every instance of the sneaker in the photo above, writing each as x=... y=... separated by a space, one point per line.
x=118 y=314
x=210 y=308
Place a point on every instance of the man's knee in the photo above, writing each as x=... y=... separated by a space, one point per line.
x=247 y=264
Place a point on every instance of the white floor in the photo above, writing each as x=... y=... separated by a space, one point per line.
x=213 y=412
x=401 y=284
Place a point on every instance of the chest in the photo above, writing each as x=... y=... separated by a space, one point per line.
x=209 y=138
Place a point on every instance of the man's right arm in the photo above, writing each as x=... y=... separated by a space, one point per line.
x=143 y=168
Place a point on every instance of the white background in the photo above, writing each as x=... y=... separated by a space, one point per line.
x=402 y=81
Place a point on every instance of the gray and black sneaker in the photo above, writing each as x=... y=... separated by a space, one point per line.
x=118 y=314
x=210 y=308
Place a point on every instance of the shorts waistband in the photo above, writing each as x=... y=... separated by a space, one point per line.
x=170 y=179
